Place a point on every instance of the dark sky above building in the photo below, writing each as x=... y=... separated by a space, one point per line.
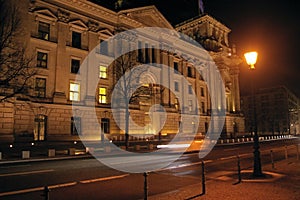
x=270 y=27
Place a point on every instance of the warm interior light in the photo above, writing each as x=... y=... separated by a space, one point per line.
x=251 y=58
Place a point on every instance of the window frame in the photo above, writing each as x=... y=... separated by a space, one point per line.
x=44 y=34
x=75 y=37
x=103 y=73
x=41 y=60
x=72 y=66
x=71 y=97
x=40 y=90
x=102 y=98
x=75 y=130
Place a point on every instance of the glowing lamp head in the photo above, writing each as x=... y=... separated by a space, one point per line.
x=251 y=58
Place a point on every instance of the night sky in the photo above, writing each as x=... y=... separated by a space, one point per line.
x=270 y=27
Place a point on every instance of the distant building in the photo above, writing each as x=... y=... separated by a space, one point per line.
x=61 y=33
x=277 y=111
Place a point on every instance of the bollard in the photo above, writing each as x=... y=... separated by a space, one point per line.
x=107 y=149
x=46 y=193
x=297 y=147
x=272 y=159
x=51 y=152
x=203 y=178
x=286 y=152
x=25 y=154
x=145 y=185
x=239 y=169
x=137 y=147
x=150 y=146
x=71 y=151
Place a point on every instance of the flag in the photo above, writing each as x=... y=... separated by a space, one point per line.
x=201 y=7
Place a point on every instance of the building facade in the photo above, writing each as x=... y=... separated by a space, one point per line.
x=61 y=33
x=277 y=111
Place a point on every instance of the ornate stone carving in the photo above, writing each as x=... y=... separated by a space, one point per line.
x=93 y=26
x=63 y=16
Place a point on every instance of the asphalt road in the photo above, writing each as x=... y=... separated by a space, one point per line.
x=89 y=179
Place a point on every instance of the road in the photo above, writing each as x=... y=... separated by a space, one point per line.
x=89 y=179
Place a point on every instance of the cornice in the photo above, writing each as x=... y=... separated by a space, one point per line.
x=199 y=20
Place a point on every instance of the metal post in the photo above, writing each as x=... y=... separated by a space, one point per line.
x=145 y=186
x=286 y=152
x=272 y=159
x=239 y=169
x=203 y=178
x=46 y=193
x=297 y=147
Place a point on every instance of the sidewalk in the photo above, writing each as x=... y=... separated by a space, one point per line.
x=284 y=186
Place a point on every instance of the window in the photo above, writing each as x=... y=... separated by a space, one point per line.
x=140 y=52
x=105 y=125
x=190 y=72
x=147 y=56
x=102 y=95
x=190 y=105
x=40 y=87
x=44 y=31
x=75 y=65
x=176 y=85
x=103 y=47
x=153 y=54
x=42 y=59
x=76 y=39
x=102 y=71
x=74 y=91
x=190 y=88
x=202 y=107
x=202 y=92
x=176 y=104
x=75 y=125
x=176 y=68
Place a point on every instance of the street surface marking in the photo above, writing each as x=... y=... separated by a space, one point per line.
x=62 y=185
x=26 y=173
x=14 y=166
x=36 y=189
x=104 y=179
x=21 y=191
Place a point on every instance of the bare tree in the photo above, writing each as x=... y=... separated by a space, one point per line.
x=131 y=88
x=15 y=67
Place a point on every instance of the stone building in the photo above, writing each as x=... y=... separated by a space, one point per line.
x=277 y=111
x=61 y=34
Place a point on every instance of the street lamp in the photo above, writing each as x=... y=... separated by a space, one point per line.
x=251 y=58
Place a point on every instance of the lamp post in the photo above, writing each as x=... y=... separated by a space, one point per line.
x=251 y=58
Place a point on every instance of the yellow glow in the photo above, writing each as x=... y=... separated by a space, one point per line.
x=102 y=71
x=251 y=58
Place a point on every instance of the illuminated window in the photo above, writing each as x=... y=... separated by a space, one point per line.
x=42 y=59
x=102 y=72
x=176 y=104
x=102 y=95
x=44 y=31
x=40 y=87
x=74 y=91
